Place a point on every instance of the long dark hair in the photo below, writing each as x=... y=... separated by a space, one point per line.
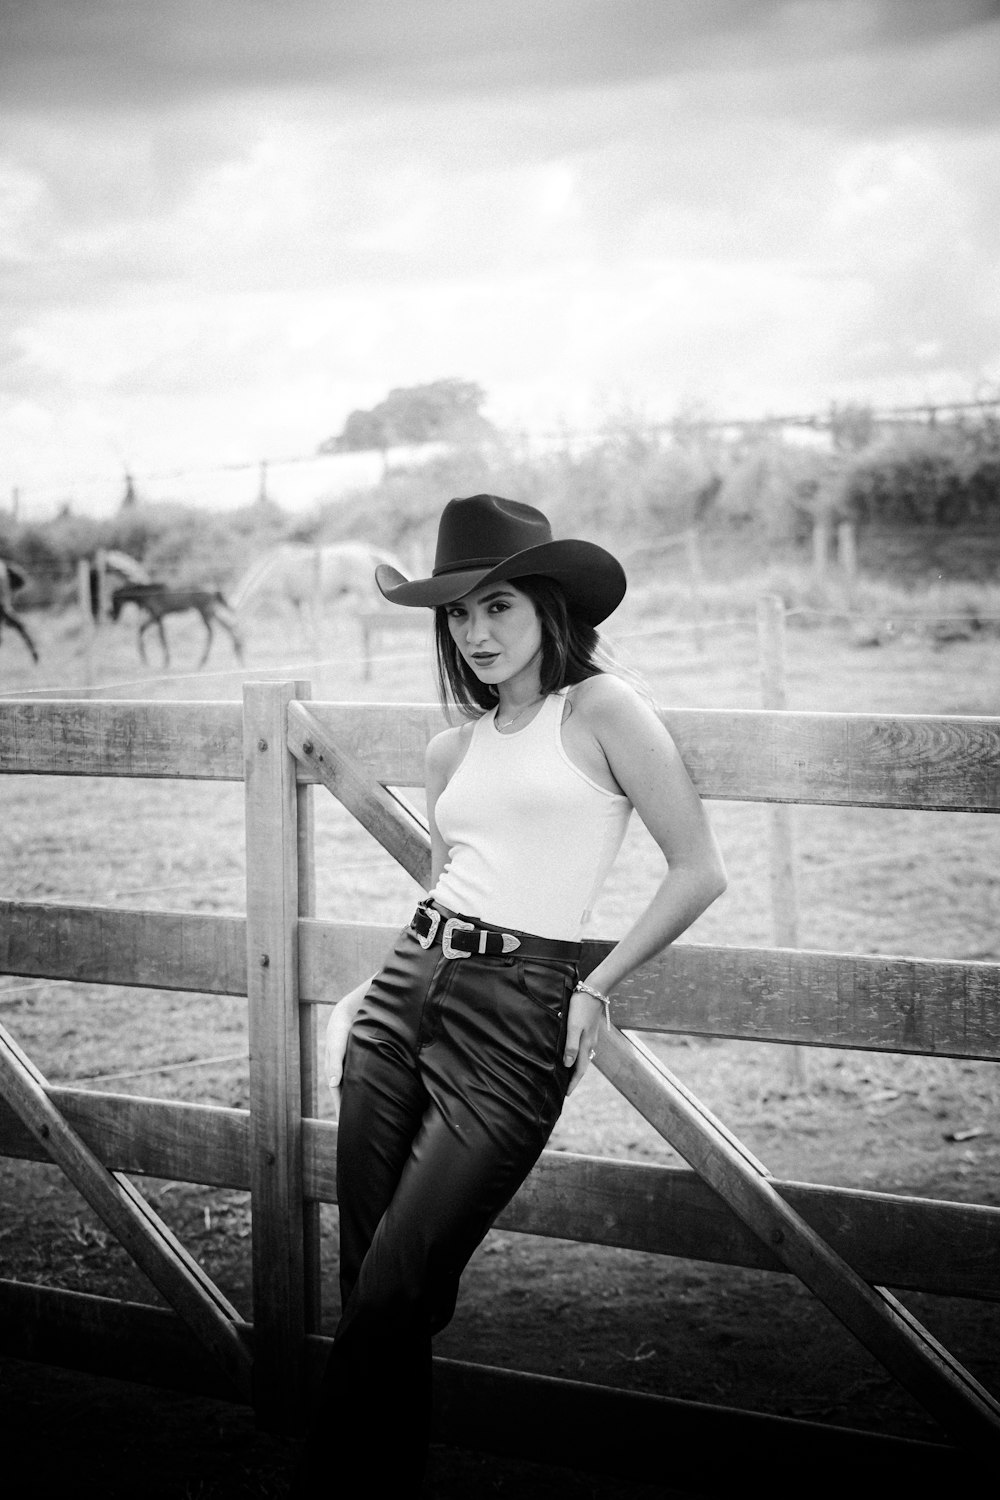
x=570 y=650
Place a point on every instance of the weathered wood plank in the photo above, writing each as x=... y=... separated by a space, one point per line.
x=385 y=740
x=166 y=1138
x=940 y=1008
x=499 y=1411
x=682 y=1446
x=909 y=1243
x=309 y=1043
x=936 y=1007
x=963 y=1406
x=750 y=755
x=200 y=741
x=146 y=1238
x=377 y=811
x=123 y=1340
x=275 y=1070
x=863 y=760
x=914 y=761
x=912 y=1244
x=197 y=951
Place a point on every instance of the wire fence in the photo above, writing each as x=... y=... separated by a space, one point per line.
x=137 y=480
x=363 y=661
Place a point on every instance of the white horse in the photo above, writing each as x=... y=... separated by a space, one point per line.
x=126 y=567
x=310 y=577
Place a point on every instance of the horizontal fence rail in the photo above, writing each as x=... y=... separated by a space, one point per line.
x=534 y=1417
x=937 y=1007
x=935 y=763
x=921 y=1245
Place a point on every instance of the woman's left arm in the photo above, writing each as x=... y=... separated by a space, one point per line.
x=647 y=766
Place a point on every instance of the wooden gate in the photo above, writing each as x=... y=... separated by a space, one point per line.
x=846 y=1246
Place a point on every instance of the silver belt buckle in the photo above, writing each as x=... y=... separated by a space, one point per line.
x=453 y=924
x=435 y=920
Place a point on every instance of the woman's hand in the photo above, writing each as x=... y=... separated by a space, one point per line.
x=338 y=1030
x=585 y=1014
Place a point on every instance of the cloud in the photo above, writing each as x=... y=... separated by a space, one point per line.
x=217 y=222
x=123 y=53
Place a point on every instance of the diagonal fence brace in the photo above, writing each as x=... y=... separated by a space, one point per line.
x=150 y=1243
x=376 y=809
x=886 y=1328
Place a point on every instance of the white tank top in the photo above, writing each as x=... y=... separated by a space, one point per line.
x=530 y=836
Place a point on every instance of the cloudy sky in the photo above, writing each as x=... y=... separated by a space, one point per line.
x=226 y=223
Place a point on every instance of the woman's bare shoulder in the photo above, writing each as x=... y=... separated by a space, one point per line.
x=605 y=695
x=446 y=749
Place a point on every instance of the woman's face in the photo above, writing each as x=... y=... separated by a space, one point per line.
x=497 y=631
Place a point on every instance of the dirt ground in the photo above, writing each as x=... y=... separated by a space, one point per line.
x=887 y=883
x=634 y=1321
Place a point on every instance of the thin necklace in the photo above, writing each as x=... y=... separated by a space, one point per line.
x=506 y=723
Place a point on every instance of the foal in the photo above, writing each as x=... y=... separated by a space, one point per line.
x=12 y=579
x=159 y=599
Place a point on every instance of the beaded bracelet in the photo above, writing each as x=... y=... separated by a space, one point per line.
x=588 y=989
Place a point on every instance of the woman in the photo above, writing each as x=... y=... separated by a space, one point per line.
x=452 y=1064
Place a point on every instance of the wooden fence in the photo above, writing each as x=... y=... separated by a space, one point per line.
x=848 y=1246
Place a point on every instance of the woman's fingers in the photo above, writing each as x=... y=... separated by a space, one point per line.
x=581 y=1030
x=581 y=1034
x=582 y=1064
x=336 y=1045
x=338 y=1030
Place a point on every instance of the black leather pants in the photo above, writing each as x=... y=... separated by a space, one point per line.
x=453 y=1082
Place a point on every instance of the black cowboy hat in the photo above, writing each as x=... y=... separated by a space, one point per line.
x=485 y=538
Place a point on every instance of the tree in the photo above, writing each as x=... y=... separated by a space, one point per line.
x=443 y=411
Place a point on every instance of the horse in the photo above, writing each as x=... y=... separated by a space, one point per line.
x=11 y=579
x=338 y=573
x=122 y=566
x=160 y=599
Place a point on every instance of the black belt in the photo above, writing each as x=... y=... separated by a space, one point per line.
x=461 y=939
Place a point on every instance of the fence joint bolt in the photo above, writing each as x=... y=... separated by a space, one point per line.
x=265 y=960
x=262 y=744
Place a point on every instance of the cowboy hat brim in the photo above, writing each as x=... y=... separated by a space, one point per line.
x=592 y=579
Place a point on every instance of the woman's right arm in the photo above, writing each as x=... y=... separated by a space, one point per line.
x=443 y=753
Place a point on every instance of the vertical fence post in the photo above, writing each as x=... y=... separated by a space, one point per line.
x=272 y=833
x=316 y=603
x=87 y=624
x=847 y=556
x=368 y=628
x=821 y=545
x=309 y=1042
x=784 y=892
x=695 y=579
x=101 y=564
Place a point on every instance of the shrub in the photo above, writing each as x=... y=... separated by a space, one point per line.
x=931 y=476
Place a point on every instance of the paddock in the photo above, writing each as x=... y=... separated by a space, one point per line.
x=846 y=1245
